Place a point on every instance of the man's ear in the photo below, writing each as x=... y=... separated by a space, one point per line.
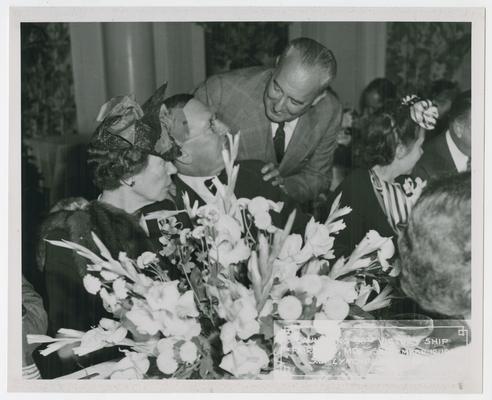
x=164 y=112
x=319 y=97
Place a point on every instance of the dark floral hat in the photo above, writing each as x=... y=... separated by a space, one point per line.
x=123 y=125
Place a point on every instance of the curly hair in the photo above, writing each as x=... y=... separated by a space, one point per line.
x=435 y=250
x=382 y=132
x=112 y=163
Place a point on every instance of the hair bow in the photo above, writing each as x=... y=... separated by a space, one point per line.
x=423 y=112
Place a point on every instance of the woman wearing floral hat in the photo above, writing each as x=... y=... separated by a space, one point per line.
x=131 y=158
x=391 y=147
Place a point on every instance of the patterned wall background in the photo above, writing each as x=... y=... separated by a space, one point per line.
x=48 y=105
x=231 y=45
x=421 y=52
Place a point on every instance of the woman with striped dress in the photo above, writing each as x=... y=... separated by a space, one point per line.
x=391 y=146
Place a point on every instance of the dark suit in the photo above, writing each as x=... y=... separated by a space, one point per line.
x=249 y=184
x=367 y=214
x=237 y=96
x=436 y=162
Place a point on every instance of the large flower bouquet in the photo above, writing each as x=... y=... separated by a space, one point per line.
x=241 y=277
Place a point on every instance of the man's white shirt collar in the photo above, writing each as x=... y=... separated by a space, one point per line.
x=460 y=159
x=197 y=183
x=289 y=128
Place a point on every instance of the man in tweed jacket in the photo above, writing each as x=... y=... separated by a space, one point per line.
x=293 y=96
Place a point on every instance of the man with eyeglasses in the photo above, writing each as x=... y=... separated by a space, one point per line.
x=201 y=137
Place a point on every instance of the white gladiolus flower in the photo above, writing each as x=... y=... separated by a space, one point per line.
x=163 y=296
x=172 y=325
x=91 y=284
x=188 y=352
x=263 y=220
x=387 y=249
x=186 y=306
x=290 y=308
x=284 y=270
x=166 y=346
x=245 y=323
x=110 y=302
x=309 y=284
x=167 y=364
x=371 y=242
x=142 y=319
x=228 y=337
x=109 y=332
x=119 y=288
x=108 y=275
x=333 y=288
x=142 y=284
x=227 y=253
x=133 y=366
x=209 y=214
x=258 y=205
x=146 y=259
x=336 y=308
x=336 y=226
x=246 y=360
x=291 y=247
x=198 y=232
x=318 y=239
x=241 y=315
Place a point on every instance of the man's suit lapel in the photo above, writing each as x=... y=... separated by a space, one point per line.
x=305 y=135
x=256 y=125
x=446 y=162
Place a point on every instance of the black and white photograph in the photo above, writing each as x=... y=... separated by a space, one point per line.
x=268 y=202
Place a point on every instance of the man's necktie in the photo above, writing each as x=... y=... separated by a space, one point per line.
x=279 y=142
x=209 y=184
x=468 y=164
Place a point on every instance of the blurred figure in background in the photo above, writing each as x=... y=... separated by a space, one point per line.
x=449 y=153
x=379 y=92
x=442 y=93
x=34 y=322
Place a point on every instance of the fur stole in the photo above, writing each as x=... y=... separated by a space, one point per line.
x=118 y=230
